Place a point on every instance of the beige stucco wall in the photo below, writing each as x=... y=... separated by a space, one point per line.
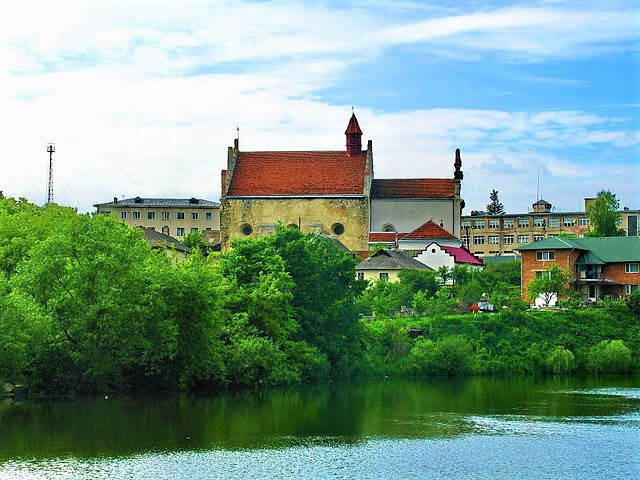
x=407 y=215
x=374 y=275
x=317 y=215
x=172 y=222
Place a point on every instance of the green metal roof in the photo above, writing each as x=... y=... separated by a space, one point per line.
x=606 y=249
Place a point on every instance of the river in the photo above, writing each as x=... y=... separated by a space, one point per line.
x=469 y=428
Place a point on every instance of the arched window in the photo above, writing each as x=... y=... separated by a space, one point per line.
x=388 y=228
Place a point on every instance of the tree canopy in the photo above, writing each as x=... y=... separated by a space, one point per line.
x=603 y=215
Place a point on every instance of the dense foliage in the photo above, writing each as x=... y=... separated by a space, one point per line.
x=87 y=305
x=603 y=215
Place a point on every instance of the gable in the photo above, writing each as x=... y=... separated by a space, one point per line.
x=429 y=230
x=298 y=174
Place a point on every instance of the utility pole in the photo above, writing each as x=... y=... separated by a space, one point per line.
x=50 y=148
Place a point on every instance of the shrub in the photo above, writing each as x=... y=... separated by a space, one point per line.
x=560 y=361
x=450 y=356
x=609 y=356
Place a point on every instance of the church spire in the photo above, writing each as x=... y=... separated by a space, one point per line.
x=354 y=137
x=458 y=165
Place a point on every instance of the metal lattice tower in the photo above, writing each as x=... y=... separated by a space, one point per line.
x=50 y=148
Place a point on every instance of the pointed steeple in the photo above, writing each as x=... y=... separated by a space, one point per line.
x=354 y=137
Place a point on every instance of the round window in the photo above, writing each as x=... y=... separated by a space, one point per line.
x=246 y=229
x=337 y=229
x=292 y=225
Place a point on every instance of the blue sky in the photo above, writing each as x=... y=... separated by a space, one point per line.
x=143 y=97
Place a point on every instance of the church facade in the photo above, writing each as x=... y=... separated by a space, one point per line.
x=332 y=193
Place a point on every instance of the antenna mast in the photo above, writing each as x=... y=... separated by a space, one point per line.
x=50 y=148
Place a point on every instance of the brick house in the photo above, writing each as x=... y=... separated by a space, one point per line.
x=601 y=267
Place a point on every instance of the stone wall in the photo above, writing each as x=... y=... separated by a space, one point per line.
x=241 y=217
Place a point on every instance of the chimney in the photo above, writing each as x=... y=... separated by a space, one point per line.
x=115 y=199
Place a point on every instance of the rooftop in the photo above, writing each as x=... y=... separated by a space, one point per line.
x=159 y=203
x=391 y=260
x=298 y=174
x=606 y=249
x=413 y=188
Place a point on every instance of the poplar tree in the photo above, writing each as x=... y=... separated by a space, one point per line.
x=604 y=216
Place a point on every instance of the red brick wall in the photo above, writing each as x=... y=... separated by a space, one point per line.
x=565 y=259
x=615 y=272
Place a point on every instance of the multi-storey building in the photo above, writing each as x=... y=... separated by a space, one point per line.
x=175 y=217
x=600 y=267
x=491 y=235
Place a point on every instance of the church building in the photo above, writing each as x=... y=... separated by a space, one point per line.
x=331 y=193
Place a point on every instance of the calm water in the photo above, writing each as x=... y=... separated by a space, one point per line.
x=471 y=428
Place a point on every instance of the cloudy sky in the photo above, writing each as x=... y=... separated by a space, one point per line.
x=143 y=97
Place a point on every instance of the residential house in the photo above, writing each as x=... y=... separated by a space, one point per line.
x=176 y=250
x=436 y=256
x=386 y=265
x=600 y=267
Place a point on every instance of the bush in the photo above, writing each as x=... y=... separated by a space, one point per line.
x=609 y=356
x=449 y=356
x=560 y=361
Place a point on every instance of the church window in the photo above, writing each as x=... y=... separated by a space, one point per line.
x=246 y=229
x=337 y=229
x=388 y=228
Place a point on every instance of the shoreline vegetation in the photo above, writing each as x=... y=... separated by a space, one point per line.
x=86 y=305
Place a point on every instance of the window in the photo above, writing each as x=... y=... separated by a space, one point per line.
x=106 y=212
x=208 y=216
x=544 y=255
x=337 y=229
x=465 y=240
x=523 y=222
x=523 y=238
x=538 y=237
x=180 y=215
x=508 y=223
x=194 y=229
x=123 y=215
x=384 y=276
x=629 y=289
x=180 y=232
x=554 y=222
x=494 y=223
x=465 y=224
x=584 y=221
x=166 y=215
x=246 y=229
x=494 y=239
x=569 y=221
x=194 y=215
x=135 y=215
x=478 y=240
x=630 y=268
x=478 y=224
x=151 y=215
x=543 y=273
x=388 y=228
x=538 y=222
x=508 y=239
x=360 y=275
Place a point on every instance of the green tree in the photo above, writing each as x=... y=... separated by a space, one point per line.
x=194 y=240
x=603 y=215
x=494 y=207
x=552 y=283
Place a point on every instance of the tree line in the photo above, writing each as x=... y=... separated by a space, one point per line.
x=87 y=305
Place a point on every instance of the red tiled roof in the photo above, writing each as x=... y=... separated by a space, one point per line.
x=384 y=237
x=413 y=188
x=429 y=230
x=298 y=173
x=462 y=255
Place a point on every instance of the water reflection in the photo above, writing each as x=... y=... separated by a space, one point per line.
x=316 y=416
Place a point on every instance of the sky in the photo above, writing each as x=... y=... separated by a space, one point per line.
x=142 y=98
